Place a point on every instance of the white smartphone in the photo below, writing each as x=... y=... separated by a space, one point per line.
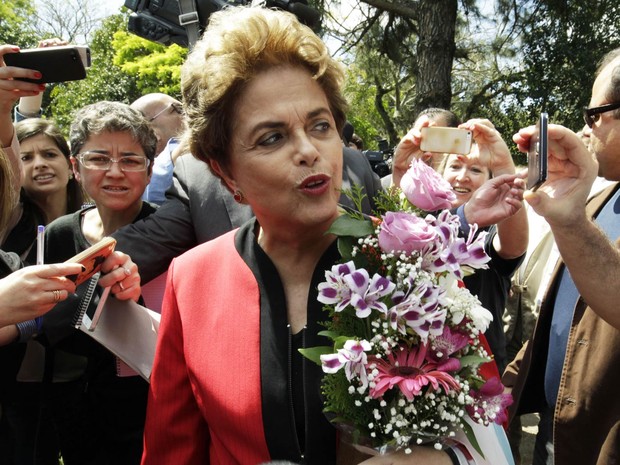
x=446 y=140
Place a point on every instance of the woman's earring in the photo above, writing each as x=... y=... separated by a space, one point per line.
x=238 y=196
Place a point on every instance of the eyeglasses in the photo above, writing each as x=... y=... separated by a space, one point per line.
x=174 y=106
x=101 y=161
x=592 y=115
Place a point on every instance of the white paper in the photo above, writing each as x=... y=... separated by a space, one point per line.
x=129 y=331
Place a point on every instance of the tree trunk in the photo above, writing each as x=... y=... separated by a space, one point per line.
x=435 y=53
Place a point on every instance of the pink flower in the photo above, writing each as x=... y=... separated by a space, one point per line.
x=444 y=346
x=425 y=188
x=411 y=372
x=403 y=232
x=490 y=402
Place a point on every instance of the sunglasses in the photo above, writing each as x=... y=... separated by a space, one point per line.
x=174 y=106
x=592 y=115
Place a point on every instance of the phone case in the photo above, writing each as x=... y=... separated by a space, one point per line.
x=537 y=155
x=56 y=64
x=92 y=258
x=446 y=140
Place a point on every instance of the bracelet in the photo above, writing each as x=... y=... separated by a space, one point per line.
x=452 y=455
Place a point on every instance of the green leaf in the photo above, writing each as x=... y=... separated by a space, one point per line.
x=314 y=353
x=469 y=432
x=468 y=360
x=330 y=334
x=345 y=247
x=347 y=226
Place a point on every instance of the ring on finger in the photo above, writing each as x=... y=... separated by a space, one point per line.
x=56 y=293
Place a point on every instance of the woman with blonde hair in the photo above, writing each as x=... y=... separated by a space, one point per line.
x=229 y=386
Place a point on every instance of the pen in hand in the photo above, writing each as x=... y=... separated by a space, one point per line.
x=40 y=244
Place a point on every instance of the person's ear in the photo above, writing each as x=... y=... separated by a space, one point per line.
x=223 y=174
x=76 y=169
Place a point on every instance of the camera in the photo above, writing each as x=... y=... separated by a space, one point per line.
x=380 y=161
x=161 y=20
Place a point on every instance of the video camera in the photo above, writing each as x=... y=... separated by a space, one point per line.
x=380 y=161
x=162 y=21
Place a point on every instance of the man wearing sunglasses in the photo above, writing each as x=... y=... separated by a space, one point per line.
x=166 y=117
x=570 y=369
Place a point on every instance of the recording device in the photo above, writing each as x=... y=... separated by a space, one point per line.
x=56 y=64
x=161 y=20
x=380 y=160
x=537 y=154
x=446 y=140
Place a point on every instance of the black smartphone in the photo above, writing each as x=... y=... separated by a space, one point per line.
x=537 y=154
x=56 y=64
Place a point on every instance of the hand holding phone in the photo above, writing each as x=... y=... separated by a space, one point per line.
x=446 y=140
x=537 y=154
x=56 y=64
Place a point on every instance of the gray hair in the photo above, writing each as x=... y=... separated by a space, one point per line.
x=107 y=116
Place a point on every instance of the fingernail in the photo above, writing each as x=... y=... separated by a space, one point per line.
x=42 y=86
x=38 y=75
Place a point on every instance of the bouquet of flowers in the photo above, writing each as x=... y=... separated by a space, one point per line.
x=404 y=368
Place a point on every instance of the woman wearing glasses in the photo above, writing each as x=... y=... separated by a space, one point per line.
x=98 y=414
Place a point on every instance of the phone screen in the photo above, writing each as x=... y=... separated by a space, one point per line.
x=537 y=155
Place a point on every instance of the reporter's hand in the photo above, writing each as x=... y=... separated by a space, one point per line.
x=10 y=87
x=34 y=290
x=121 y=273
x=497 y=199
x=571 y=171
x=492 y=149
x=409 y=148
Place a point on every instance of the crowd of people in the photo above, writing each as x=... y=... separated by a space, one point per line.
x=220 y=205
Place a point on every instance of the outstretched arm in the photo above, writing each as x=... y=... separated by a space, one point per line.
x=512 y=232
x=592 y=259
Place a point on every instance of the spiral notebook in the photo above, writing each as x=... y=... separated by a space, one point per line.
x=129 y=331
x=90 y=305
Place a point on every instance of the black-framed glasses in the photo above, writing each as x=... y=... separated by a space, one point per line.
x=102 y=161
x=174 y=106
x=592 y=115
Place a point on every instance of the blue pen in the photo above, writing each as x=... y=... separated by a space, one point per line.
x=40 y=254
x=40 y=244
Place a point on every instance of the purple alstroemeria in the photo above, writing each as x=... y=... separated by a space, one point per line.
x=335 y=291
x=451 y=252
x=420 y=311
x=352 y=357
x=366 y=293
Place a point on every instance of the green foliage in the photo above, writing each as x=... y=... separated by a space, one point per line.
x=157 y=67
x=15 y=28
x=104 y=81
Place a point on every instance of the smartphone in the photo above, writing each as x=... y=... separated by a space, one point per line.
x=446 y=140
x=537 y=154
x=56 y=64
x=92 y=259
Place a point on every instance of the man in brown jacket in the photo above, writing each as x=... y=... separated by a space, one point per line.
x=570 y=371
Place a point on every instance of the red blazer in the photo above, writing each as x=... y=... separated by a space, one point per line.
x=221 y=363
